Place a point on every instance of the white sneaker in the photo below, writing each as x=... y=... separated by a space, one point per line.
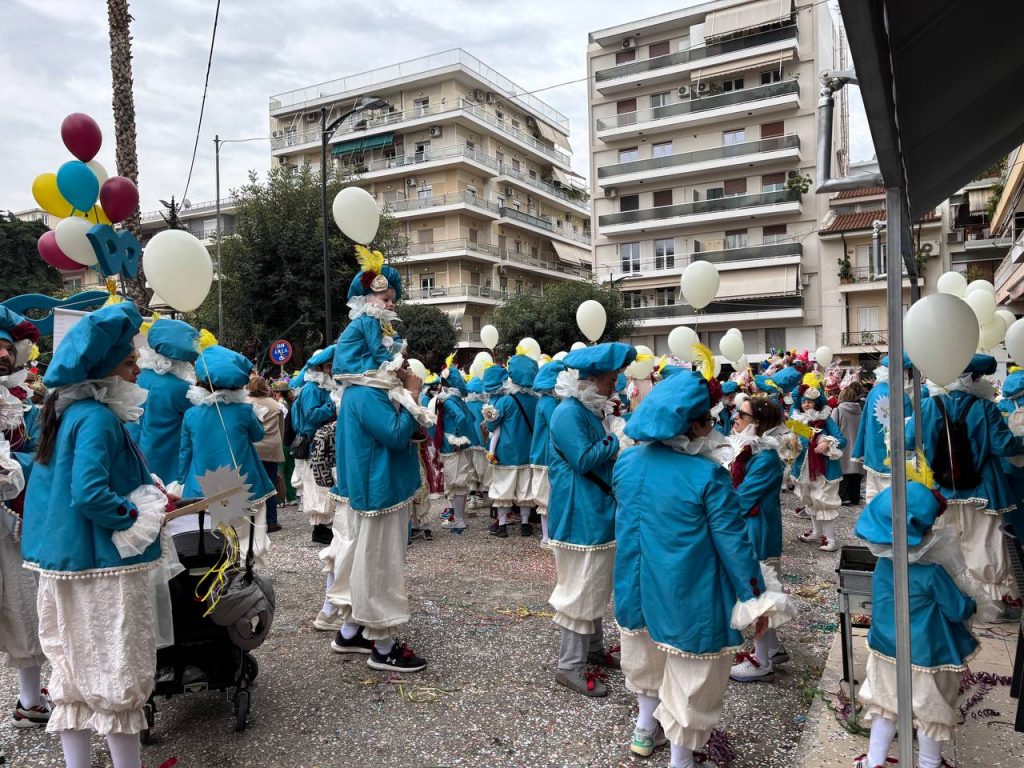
x=750 y=670
x=808 y=536
x=828 y=545
x=328 y=622
x=644 y=742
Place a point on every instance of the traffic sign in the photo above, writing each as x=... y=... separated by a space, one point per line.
x=280 y=352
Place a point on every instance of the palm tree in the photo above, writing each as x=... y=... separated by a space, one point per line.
x=119 y=21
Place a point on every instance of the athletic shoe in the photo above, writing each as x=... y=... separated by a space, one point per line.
x=526 y=530
x=781 y=656
x=828 y=545
x=809 y=537
x=415 y=533
x=501 y=531
x=357 y=644
x=457 y=531
x=32 y=717
x=610 y=658
x=861 y=761
x=644 y=742
x=447 y=515
x=589 y=682
x=400 y=659
x=322 y=534
x=546 y=543
x=428 y=535
x=328 y=622
x=801 y=512
x=273 y=527
x=749 y=670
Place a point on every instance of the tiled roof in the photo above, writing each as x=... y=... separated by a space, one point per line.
x=849 y=194
x=848 y=222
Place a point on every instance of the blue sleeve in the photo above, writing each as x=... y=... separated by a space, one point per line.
x=729 y=535
x=909 y=432
x=569 y=435
x=184 y=452
x=94 y=452
x=503 y=405
x=1003 y=442
x=392 y=429
x=324 y=412
x=953 y=603
x=764 y=477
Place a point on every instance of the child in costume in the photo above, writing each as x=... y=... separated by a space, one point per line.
x=726 y=408
x=872 y=445
x=476 y=399
x=453 y=436
x=540 y=447
x=315 y=406
x=941 y=642
x=817 y=469
x=686 y=577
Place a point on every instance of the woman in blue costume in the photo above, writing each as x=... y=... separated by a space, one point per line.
x=94 y=538
x=941 y=643
x=687 y=579
x=540 y=446
x=977 y=512
x=454 y=434
x=1012 y=402
x=872 y=444
x=513 y=412
x=221 y=430
x=581 y=511
x=315 y=407
x=378 y=473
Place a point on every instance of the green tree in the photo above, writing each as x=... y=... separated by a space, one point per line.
x=22 y=268
x=273 y=265
x=551 y=318
x=430 y=334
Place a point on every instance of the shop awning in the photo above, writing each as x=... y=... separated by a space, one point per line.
x=767 y=61
x=771 y=281
x=362 y=144
x=571 y=254
x=748 y=16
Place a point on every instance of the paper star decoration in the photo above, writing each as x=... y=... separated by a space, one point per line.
x=882 y=412
x=228 y=494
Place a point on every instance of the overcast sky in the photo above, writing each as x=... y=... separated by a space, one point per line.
x=55 y=59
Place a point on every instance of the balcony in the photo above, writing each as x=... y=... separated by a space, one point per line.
x=871 y=339
x=702 y=211
x=576 y=199
x=866 y=279
x=724 y=106
x=533 y=223
x=670 y=66
x=764 y=307
x=447 y=294
x=546 y=261
x=701 y=161
x=731 y=258
x=416 y=206
x=382 y=167
x=457 y=246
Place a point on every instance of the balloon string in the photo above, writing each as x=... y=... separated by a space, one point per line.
x=216 y=405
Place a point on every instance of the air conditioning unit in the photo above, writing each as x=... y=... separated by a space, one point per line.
x=629 y=42
x=282 y=161
x=927 y=248
x=703 y=87
x=531 y=122
x=311 y=117
x=435 y=131
x=479 y=95
x=611 y=192
x=276 y=134
x=684 y=91
x=410 y=182
x=491 y=97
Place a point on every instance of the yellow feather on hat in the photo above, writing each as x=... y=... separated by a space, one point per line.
x=205 y=340
x=919 y=471
x=707 y=361
x=369 y=261
x=144 y=328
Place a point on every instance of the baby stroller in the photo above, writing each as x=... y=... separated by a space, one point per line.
x=212 y=653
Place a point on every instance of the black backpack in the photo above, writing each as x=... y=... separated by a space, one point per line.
x=953 y=466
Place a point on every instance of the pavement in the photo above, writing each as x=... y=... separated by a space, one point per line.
x=488 y=696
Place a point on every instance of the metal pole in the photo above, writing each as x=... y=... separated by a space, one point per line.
x=220 y=272
x=904 y=687
x=328 y=336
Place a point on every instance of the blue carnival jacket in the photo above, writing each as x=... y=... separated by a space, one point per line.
x=476 y=411
x=833 y=467
x=312 y=409
x=540 y=446
x=159 y=430
x=458 y=422
x=760 y=503
x=683 y=557
x=1014 y=475
x=516 y=431
x=870 y=442
x=723 y=423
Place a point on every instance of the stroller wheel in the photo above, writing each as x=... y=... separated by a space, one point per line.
x=251 y=667
x=241 y=709
x=146 y=737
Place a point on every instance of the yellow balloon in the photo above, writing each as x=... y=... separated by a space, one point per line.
x=44 y=190
x=95 y=214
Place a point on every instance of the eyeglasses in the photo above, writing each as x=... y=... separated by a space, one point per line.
x=745 y=415
x=707 y=420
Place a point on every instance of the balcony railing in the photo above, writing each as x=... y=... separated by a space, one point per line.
x=741 y=304
x=469 y=336
x=449 y=198
x=869 y=275
x=645 y=266
x=696 y=53
x=744 y=96
x=700 y=156
x=418 y=158
x=542 y=223
x=458 y=292
x=547 y=261
x=551 y=189
x=195 y=209
x=455 y=244
x=864 y=338
x=732 y=203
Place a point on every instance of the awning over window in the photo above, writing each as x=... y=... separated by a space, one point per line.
x=765 y=62
x=770 y=281
x=561 y=177
x=553 y=136
x=978 y=199
x=571 y=254
x=729 y=21
x=363 y=143
x=455 y=315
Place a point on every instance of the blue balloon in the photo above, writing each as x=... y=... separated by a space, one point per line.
x=78 y=184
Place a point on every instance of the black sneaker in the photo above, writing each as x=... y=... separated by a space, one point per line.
x=400 y=659
x=31 y=717
x=323 y=534
x=501 y=531
x=358 y=643
x=428 y=535
x=526 y=530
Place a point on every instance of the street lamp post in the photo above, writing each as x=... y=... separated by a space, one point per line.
x=326 y=131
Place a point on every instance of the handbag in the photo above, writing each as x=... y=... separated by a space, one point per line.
x=300 y=448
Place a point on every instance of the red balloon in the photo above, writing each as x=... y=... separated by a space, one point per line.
x=81 y=135
x=119 y=198
x=53 y=255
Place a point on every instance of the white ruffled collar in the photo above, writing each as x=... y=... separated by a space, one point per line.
x=200 y=396
x=981 y=388
x=359 y=306
x=569 y=384
x=323 y=380
x=15 y=380
x=477 y=397
x=757 y=443
x=12 y=408
x=151 y=360
x=714 y=446
x=511 y=388
x=808 y=416
x=124 y=398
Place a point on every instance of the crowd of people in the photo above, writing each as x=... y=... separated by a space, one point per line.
x=664 y=493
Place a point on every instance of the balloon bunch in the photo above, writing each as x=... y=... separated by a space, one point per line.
x=84 y=237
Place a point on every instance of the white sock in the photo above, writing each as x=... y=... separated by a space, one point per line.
x=762 y=650
x=774 y=644
x=29 y=684
x=503 y=513
x=328 y=608
x=682 y=757
x=524 y=514
x=828 y=529
x=882 y=732
x=544 y=527
x=349 y=630
x=459 y=510
x=645 y=720
x=929 y=751
x=125 y=750
x=384 y=646
x=76 y=748
x=816 y=526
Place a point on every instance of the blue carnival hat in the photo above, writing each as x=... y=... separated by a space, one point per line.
x=174 y=339
x=670 y=370
x=600 y=358
x=730 y=387
x=321 y=356
x=296 y=381
x=95 y=345
x=671 y=407
x=907 y=364
x=548 y=376
x=453 y=377
x=475 y=387
x=923 y=507
x=981 y=365
x=522 y=370
x=787 y=379
x=813 y=394
x=766 y=384
x=1013 y=387
x=223 y=368
x=494 y=379
x=373 y=276
x=20 y=332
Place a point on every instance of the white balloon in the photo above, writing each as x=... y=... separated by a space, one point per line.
x=71 y=239
x=559 y=355
x=178 y=267
x=699 y=283
x=489 y=336
x=742 y=364
x=823 y=356
x=641 y=369
x=983 y=304
x=530 y=347
x=681 y=341
x=991 y=333
x=1015 y=340
x=946 y=317
x=476 y=370
x=731 y=347
x=577 y=345
x=980 y=285
x=418 y=368
x=718 y=368
x=485 y=356
x=592 y=319
x=1007 y=316
x=99 y=170
x=952 y=283
x=356 y=214
x=734 y=332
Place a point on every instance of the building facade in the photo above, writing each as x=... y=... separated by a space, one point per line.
x=475 y=171
x=703 y=130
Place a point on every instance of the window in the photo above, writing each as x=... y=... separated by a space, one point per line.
x=664 y=149
x=516 y=165
x=658 y=49
x=629 y=257
x=73 y=283
x=772 y=130
x=735 y=187
x=737 y=136
x=775 y=338
x=519 y=287
x=425 y=236
x=422 y=151
x=474 y=235
x=771 y=76
x=867 y=320
x=665 y=254
x=209 y=227
x=426 y=282
x=626 y=110
x=624 y=57
x=774 y=233
x=471 y=148
x=664 y=297
x=736 y=238
x=715 y=193
x=477 y=322
x=518 y=246
x=733 y=85
x=659 y=100
x=661 y=197
x=420 y=107
x=630 y=155
x=773 y=182
x=633 y=300
x=629 y=203
x=423 y=194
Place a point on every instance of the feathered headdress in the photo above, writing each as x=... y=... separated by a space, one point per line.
x=706 y=359
x=919 y=471
x=371 y=263
x=144 y=328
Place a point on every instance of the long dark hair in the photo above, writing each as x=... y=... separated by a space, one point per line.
x=48 y=424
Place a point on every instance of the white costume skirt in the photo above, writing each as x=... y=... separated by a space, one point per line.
x=583 y=587
x=299 y=472
x=98 y=634
x=691 y=689
x=459 y=473
x=820 y=496
x=875 y=484
x=316 y=500
x=935 y=696
x=481 y=467
x=983 y=546
x=19 y=624
x=510 y=485
x=540 y=488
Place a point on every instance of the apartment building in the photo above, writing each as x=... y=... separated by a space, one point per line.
x=1005 y=231
x=703 y=148
x=475 y=171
